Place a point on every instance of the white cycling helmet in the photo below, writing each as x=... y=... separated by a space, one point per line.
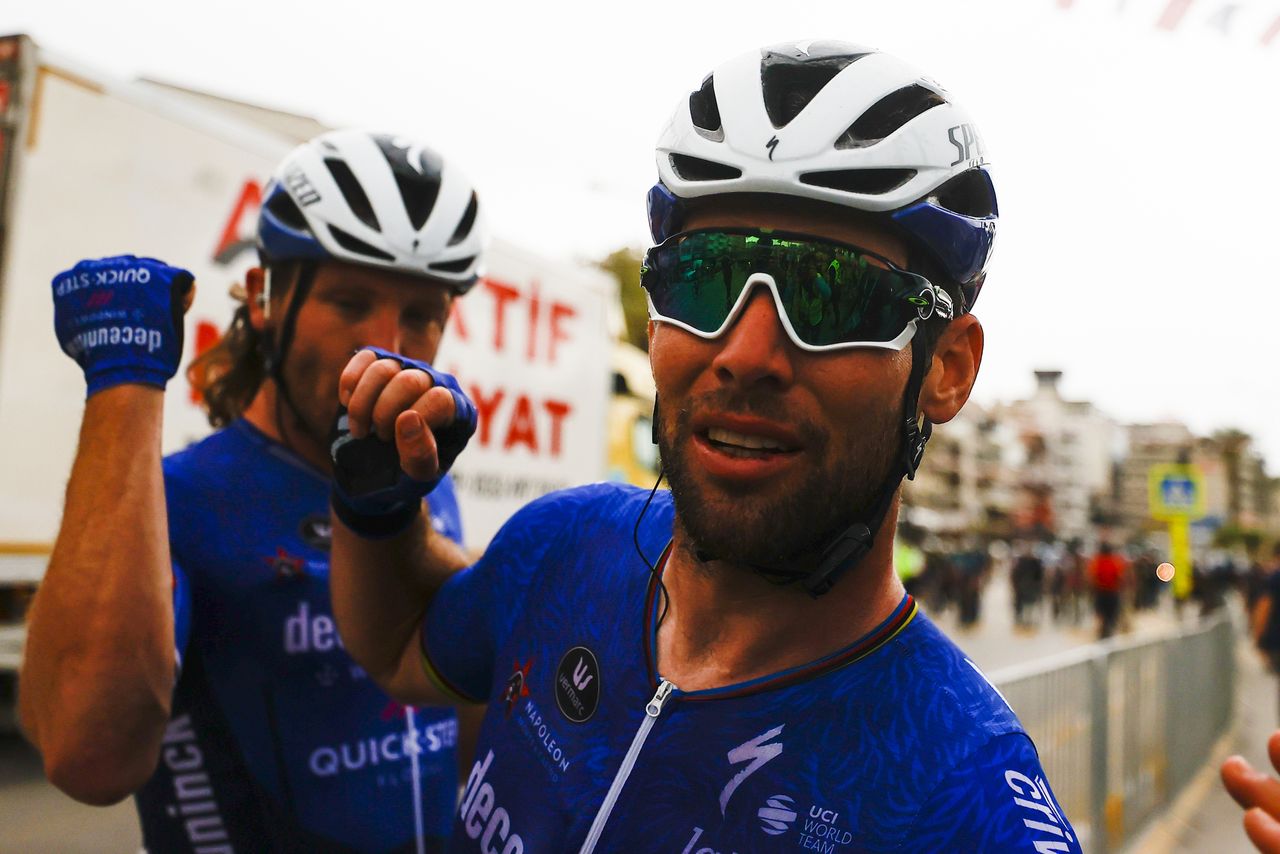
x=376 y=200
x=839 y=123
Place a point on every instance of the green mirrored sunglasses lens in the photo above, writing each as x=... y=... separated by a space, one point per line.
x=831 y=294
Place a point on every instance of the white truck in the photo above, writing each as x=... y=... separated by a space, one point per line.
x=91 y=166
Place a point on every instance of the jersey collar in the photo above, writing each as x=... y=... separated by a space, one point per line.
x=864 y=646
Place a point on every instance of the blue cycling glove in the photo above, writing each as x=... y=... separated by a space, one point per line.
x=120 y=318
x=372 y=495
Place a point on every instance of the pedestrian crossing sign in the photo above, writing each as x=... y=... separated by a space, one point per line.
x=1176 y=491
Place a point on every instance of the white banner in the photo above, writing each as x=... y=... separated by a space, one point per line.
x=530 y=345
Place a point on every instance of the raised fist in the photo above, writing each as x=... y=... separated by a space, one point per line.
x=401 y=425
x=120 y=318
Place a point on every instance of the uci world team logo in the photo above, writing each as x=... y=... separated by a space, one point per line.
x=578 y=684
x=777 y=815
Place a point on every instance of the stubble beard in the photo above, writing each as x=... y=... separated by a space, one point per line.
x=774 y=527
x=314 y=404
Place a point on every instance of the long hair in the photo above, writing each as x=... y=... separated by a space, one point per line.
x=229 y=374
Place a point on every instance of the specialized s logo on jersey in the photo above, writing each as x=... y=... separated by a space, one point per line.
x=754 y=752
x=816 y=825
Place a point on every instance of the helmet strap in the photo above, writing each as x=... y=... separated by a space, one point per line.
x=277 y=346
x=846 y=549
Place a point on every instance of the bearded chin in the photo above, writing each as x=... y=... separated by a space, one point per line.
x=772 y=526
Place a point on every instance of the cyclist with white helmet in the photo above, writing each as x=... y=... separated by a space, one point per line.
x=182 y=645
x=733 y=666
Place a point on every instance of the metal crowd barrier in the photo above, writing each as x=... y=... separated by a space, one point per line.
x=1122 y=725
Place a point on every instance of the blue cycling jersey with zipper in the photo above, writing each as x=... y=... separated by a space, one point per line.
x=278 y=741
x=897 y=742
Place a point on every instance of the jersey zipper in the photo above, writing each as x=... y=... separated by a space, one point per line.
x=414 y=749
x=651 y=712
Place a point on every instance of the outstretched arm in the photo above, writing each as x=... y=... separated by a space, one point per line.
x=382 y=580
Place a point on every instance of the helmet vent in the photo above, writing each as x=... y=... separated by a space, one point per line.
x=357 y=246
x=969 y=193
x=459 y=266
x=285 y=209
x=352 y=192
x=419 y=196
x=789 y=82
x=865 y=182
x=697 y=169
x=888 y=115
x=704 y=110
x=417 y=172
x=468 y=220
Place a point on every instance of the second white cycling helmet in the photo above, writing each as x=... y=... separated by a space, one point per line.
x=375 y=200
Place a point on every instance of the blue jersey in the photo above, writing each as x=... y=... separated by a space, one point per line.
x=278 y=741
x=895 y=743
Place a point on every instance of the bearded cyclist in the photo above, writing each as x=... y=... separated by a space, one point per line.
x=732 y=666
x=211 y=567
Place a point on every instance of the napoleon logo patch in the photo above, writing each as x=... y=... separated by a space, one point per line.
x=578 y=684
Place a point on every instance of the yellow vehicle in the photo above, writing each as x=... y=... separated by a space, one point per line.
x=633 y=458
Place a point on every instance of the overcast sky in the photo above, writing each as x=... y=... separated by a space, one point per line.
x=1136 y=167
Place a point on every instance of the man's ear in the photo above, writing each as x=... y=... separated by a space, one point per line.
x=954 y=369
x=255 y=286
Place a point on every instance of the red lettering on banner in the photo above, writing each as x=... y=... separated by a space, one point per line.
x=559 y=311
x=457 y=323
x=1173 y=14
x=1271 y=33
x=557 y=409
x=486 y=408
x=522 y=430
x=544 y=320
x=503 y=294
x=534 y=305
x=518 y=422
x=231 y=243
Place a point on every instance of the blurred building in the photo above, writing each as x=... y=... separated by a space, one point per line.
x=1237 y=488
x=1148 y=445
x=1069 y=449
x=968 y=482
x=1051 y=467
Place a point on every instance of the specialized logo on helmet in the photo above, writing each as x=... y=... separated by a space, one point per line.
x=413 y=153
x=968 y=144
x=772 y=144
